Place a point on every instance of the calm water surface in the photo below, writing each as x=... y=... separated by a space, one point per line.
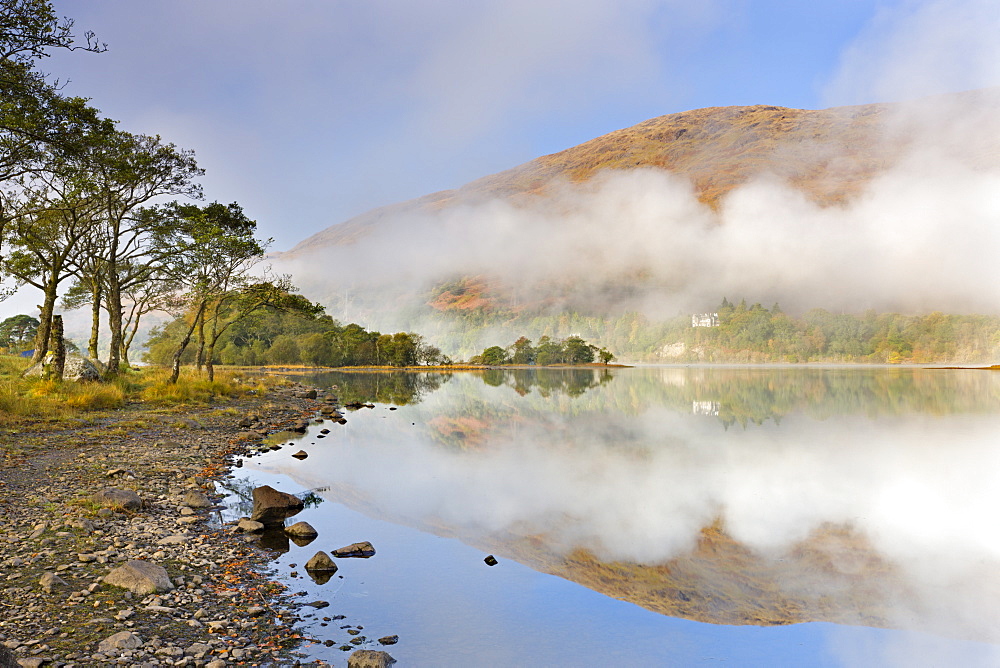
x=666 y=516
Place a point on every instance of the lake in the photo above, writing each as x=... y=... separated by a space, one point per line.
x=655 y=516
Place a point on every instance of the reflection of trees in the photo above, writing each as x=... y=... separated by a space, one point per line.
x=240 y=491
x=399 y=388
x=548 y=382
x=751 y=396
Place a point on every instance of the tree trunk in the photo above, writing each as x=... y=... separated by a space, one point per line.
x=95 y=320
x=176 y=363
x=43 y=336
x=58 y=349
x=114 y=304
x=127 y=343
x=200 y=356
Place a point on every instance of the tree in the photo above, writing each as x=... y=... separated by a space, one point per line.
x=33 y=115
x=577 y=351
x=494 y=356
x=128 y=171
x=17 y=331
x=606 y=356
x=522 y=352
x=547 y=352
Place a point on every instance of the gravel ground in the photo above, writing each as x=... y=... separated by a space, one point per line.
x=223 y=610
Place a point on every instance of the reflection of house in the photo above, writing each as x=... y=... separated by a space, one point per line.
x=705 y=320
x=705 y=407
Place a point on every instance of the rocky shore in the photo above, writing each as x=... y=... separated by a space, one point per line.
x=61 y=539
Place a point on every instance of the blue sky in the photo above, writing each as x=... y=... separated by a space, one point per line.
x=311 y=111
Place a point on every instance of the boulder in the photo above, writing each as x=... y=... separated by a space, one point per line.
x=301 y=454
x=194 y=498
x=117 y=499
x=301 y=530
x=363 y=549
x=369 y=658
x=50 y=581
x=388 y=640
x=77 y=368
x=321 y=561
x=140 y=577
x=272 y=507
x=119 y=641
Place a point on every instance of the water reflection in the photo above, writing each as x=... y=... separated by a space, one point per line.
x=851 y=495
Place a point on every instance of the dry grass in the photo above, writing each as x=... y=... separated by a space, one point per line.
x=38 y=399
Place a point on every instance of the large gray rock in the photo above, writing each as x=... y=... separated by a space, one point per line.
x=50 y=581
x=77 y=368
x=119 y=641
x=7 y=658
x=140 y=577
x=117 y=499
x=272 y=507
x=369 y=658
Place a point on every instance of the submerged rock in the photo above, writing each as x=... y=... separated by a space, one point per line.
x=363 y=549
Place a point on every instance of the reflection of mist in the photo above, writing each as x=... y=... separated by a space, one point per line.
x=922 y=488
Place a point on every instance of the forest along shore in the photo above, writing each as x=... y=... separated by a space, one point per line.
x=59 y=541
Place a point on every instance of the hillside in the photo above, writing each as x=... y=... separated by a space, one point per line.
x=829 y=154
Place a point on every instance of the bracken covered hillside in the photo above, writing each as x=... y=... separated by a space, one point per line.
x=829 y=154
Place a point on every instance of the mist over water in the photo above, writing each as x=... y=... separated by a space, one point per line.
x=916 y=239
x=633 y=469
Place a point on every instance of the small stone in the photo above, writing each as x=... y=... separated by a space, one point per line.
x=389 y=640
x=248 y=525
x=301 y=454
x=491 y=560
x=256 y=611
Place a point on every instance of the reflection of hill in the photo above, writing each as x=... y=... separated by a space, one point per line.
x=834 y=576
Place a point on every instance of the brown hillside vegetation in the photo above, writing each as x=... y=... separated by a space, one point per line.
x=829 y=154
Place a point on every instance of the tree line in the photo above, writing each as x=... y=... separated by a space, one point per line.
x=571 y=350
x=277 y=334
